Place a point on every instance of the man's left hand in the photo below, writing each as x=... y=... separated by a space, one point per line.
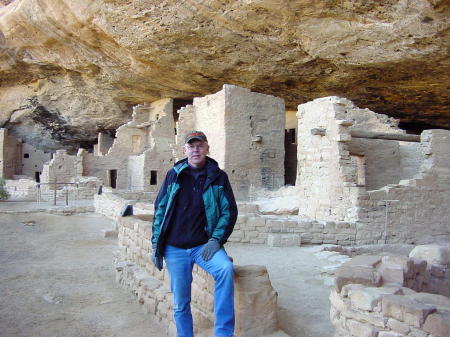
x=211 y=247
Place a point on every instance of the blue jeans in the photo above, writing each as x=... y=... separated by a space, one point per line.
x=179 y=263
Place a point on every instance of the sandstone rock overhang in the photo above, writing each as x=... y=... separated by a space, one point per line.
x=86 y=63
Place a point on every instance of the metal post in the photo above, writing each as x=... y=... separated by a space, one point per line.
x=67 y=197
x=54 y=194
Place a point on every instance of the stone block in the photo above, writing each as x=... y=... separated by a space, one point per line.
x=437 y=271
x=241 y=219
x=389 y=334
x=373 y=318
x=338 y=302
x=359 y=329
x=283 y=240
x=348 y=274
x=439 y=301
x=255 y=302
x=433 y=254
x=256 y=221
x=398 y=326
x=418 y=333
x=347 y=289
x=368 y=298
x=392 y=275
x=405 y=309
x=438 y=324
x=306 y=237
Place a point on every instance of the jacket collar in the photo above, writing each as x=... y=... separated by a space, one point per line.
x=212 y=169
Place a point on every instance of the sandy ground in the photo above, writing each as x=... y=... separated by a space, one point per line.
x=297 y=275
x=56 y=279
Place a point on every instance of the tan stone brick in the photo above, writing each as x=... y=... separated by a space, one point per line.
x=257 y=221
x=406 y=310
x=438 y=324
x=338 y=302
x=398 y=326
x=356 y=274
x=368 y=298
x=372 y=318
x=389 y=334
x=359 y=329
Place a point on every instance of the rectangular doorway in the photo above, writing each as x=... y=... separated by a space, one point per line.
x=153 y=177
x=112 y=178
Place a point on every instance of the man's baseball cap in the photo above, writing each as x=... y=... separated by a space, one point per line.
x=195 y=135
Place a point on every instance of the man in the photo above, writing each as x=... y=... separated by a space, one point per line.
x=195 y=213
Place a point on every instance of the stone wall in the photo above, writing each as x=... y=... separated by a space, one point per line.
x=21 y=189
x=419 y=210
x=105 y=142
x=110 y=203
x=141 y=146
x=10 y=155
x=255 y=299
x=393 y=296
x=63 y=168
x=245 y=132
x=158 y=158
x=333 y=181
x=327 y=173
x=33 y=160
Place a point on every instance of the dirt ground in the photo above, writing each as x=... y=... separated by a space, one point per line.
x=56 y=279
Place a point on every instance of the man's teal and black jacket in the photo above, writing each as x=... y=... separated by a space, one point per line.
x=218 y=199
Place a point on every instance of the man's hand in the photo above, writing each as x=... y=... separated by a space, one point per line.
x=157 y=260
x=211 y=247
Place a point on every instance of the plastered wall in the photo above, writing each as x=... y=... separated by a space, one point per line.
x=35 y=161
x=245 y=132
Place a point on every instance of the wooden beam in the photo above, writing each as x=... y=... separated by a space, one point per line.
x=383 y=135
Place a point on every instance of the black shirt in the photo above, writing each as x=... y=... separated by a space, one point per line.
x=188 y=222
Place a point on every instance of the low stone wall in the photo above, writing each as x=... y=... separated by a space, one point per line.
x=109 y=204
x=252 y=226
x=390 y=296
x=21 y=189
x=255 y=299
x=256 y=228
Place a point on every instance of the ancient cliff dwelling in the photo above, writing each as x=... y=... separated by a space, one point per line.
x=331 y=120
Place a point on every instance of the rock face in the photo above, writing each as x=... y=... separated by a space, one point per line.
x=69 y=69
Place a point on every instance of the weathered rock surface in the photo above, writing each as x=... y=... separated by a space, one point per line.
x=69 y=69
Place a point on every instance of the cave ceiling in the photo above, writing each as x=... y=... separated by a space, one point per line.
x=69 y=69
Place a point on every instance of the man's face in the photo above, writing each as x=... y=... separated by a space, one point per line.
x=196 y=152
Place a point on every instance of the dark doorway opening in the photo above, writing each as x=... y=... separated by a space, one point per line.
x=290 y=157
x=153 y=177
x=113 y=178
x=37 y=177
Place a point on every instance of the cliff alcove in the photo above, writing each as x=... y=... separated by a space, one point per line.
x=83 y=64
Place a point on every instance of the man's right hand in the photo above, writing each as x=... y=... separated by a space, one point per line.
x=157 y=260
